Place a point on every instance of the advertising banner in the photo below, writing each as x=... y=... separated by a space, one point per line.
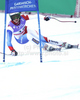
x=21 y=5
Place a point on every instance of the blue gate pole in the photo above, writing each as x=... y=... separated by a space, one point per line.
x=39 y=37
x=39 y=31
x=4 y=31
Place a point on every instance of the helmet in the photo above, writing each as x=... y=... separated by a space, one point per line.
x=15 y=15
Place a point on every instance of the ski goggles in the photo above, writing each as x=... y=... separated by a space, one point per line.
x=16 y=16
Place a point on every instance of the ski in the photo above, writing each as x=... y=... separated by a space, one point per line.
x=53 y=49
x=50 y=49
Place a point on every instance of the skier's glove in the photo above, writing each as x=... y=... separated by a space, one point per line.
x=47 y=18
x=14 y=53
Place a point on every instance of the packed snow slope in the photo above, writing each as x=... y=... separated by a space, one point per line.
x=57 y=78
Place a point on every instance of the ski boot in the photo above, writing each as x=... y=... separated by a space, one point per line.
x=50 y=48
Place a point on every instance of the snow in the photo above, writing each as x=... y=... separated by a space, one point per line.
x=58 y=78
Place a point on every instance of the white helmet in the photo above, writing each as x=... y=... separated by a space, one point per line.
x=14 y=15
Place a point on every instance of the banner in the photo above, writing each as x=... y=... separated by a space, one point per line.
x=21 y=5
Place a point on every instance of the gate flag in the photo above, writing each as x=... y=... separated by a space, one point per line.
x=20 y=6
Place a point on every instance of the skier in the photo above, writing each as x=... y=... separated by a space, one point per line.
x=23 y=34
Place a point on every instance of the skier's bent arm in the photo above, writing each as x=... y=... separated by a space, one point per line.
x=9 y=38
x=9 y=44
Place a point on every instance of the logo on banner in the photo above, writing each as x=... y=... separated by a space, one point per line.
x=22 y=5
